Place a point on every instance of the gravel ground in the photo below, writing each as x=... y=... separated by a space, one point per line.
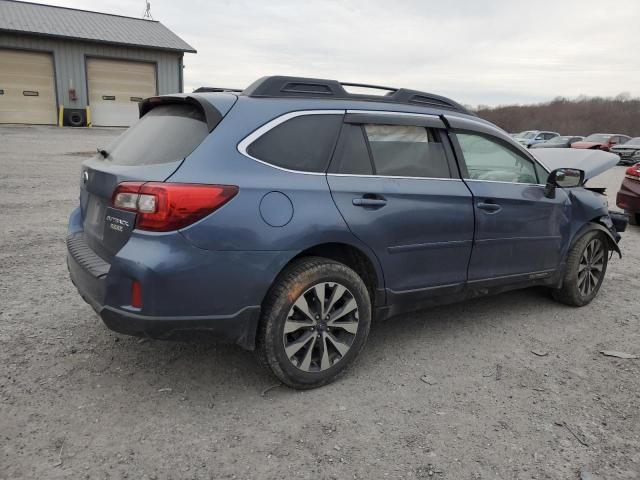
x=454 y=392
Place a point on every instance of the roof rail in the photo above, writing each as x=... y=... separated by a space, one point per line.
x=216 y=89
x=279 y=86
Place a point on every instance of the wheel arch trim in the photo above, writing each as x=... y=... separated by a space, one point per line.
x=596 y=225
x=362 y=250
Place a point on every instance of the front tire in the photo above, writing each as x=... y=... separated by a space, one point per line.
x=315 y=320
x=585 y=270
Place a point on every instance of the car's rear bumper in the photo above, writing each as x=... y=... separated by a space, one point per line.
x=184 y=288
x=628 y=197
x=239 y=328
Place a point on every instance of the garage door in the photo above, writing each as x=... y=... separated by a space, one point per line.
x=115 y=88
x=27 y=88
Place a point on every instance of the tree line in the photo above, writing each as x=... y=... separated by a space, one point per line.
x=580 y=116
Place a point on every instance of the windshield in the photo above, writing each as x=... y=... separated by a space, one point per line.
x=527 y=134
x=598 y=137
x=633 y=141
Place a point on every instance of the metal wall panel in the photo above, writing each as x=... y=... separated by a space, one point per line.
x=70 y=63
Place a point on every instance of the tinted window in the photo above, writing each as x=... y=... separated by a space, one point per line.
x=351 y=154
x=488 y=159
x=407 y=151
x=165 y=134
x=302 y=143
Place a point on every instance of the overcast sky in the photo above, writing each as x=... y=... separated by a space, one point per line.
x=477 y=52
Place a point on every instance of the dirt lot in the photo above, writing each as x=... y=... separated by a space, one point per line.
x=78 y=401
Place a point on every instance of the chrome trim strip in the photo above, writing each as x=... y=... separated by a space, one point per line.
x=505 y=277
x=485 y=241
x=424 y=246
x=391 y=176
x=426 y=289
x=500 y=181
x=253 y=136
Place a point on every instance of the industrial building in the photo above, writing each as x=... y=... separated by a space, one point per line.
x=75 y=67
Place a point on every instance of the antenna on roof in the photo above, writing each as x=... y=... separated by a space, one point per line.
x=147 y=11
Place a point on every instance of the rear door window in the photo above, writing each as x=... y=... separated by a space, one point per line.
x=165 y=134
x=407 y=151
x=390 y=151
x=304 y=143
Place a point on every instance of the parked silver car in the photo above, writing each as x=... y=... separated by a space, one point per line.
x=533 y=137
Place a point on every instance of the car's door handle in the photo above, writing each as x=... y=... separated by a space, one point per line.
x=369 y=202
x=489 y=207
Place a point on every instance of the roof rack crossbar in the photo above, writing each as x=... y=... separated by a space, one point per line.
x=279 y=86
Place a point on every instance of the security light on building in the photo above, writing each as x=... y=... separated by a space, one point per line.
x=62 y=65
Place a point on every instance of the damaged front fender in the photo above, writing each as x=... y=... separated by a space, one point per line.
x=605 y=225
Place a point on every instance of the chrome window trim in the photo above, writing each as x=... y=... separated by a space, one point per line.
x=244 y=144
x=260 y=131
x=502 y=181
x=392 y=176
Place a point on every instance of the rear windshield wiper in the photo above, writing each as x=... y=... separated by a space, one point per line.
x=103 y=152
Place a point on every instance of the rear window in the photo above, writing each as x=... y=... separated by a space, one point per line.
x=166 y=134
x=303 y=143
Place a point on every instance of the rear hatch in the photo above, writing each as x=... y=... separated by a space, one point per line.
x=151 y=150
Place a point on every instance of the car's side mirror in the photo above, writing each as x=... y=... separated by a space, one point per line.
x=563 y=178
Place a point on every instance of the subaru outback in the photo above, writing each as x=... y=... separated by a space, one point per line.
x=287 y=216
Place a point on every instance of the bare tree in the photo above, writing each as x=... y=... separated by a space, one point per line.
x=580 y=116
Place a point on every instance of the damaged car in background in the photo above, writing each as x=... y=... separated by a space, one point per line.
x=285 y=217
x=628 y=197
x=629 y=152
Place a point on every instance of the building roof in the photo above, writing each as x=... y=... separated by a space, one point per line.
x=61 y=22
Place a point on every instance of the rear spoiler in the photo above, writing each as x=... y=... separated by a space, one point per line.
x=211 y=114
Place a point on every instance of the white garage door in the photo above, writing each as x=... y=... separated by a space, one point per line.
x=115 y=88
x=27 y=88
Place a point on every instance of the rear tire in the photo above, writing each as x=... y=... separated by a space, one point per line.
x=315 y=320
x=585 y=270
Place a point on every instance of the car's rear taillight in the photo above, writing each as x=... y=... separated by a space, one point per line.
x=162 y=207
x=633 y=173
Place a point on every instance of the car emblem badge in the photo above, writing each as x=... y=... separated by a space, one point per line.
x=85 y=176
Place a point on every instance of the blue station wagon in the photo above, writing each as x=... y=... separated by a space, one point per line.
x=287 y=216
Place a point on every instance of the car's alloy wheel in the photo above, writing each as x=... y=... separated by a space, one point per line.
x=314 y=323
x=320 y=327
x=585 y=269
x=591 y=268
